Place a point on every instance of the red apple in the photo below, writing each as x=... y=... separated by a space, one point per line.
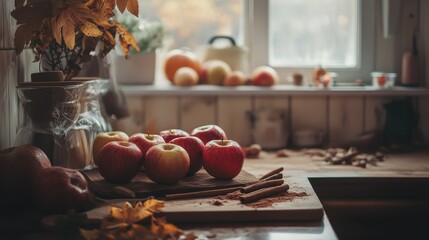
x=236 y=78
x=214 y=72
x=264 y=76
x=120 y=161
x=209 y=132
x=166 y=163
x=145 y=141
x=171 y=134
x=185 y=76
x=223 y=159
x=102 y=139
x=195 y=148
x=58 y=190
x=19 y=168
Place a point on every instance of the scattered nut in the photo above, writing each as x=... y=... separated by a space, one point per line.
x=253 y=151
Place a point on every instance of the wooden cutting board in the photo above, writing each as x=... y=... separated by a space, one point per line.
x=305 y=208
x=144 y=187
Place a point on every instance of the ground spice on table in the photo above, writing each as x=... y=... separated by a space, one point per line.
x=266 y=202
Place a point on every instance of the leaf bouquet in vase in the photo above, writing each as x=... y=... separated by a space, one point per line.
x=64 y=34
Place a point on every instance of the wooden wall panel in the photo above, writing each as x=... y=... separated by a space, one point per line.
x=280 y=136
x=309 y=113
x=375 y=115
x=346 y=119
x=133 y=123
x=197 y=111
x=160 y=113
x=232 y=118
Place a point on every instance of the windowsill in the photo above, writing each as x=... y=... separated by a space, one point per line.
x=278 y=90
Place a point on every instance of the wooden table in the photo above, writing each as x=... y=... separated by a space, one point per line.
x=397 y=166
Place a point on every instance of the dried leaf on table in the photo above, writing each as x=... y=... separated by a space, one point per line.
x=125 y=223
x=93 y=234
x=163 y=229
x=130 y=214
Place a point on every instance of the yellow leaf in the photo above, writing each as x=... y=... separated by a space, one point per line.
x=133 y=7
x=109 y=37
x=122 y=4
x=90 y=29
x=69 y=33
x=160 y=227
x=56 y=29
x=90 y=234
x=153 y=204
x=129 y=214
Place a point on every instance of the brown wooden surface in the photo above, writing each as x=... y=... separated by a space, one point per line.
x=406 y=165
x=304 y=208
x=144 y=187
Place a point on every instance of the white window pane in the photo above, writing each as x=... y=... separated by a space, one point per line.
x=191 y=23
x=307 y=33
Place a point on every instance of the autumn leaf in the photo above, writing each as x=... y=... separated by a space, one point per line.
x=122 y=5
x=153 y=204
x=90 y=234
x=19 y=3
x=130 y=214
x=69 y=33
x=161 y=228
x=30 y=14
x=133 y=7
x=126 y=39
x=90 y=29
x=23 y=36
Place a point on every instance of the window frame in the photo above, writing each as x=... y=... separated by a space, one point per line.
x=257 y=27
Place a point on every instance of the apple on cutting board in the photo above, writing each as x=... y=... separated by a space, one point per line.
x=102 y=139
x=171 y=134
x=195 y=148
x=119 y=162
x=223 y=159
x=209 y=132
x=166 y=163
x=145 y=141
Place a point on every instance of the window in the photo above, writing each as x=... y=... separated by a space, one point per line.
x=298 y=35
x=311 y=32
x=290 y=35
x=191 y=23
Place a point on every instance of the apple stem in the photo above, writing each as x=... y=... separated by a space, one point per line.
x=148 y=134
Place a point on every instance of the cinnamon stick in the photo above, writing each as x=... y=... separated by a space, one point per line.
x=264 y=184
x=271 y=173
x=201 y=194
x=263 y=193
x=276 y=176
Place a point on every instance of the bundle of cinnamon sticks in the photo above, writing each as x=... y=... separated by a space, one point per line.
x=269 y=184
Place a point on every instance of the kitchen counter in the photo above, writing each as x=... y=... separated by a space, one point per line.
x=341 y=189
x=388 y=201
x=395 y=189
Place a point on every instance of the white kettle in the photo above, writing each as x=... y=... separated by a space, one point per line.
x=235 y=56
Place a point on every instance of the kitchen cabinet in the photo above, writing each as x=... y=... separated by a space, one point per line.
x=341 y=113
